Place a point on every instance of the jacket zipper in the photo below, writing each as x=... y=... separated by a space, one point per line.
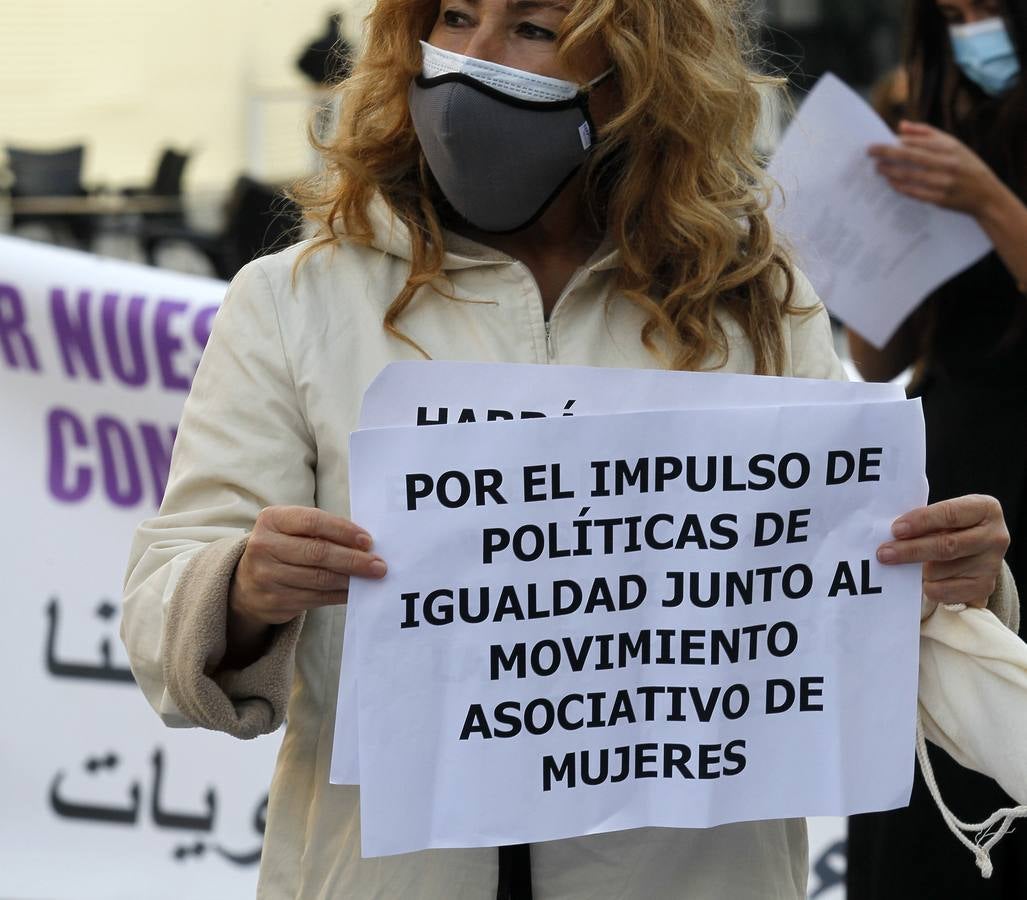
x=578 y=277
x=571 y=286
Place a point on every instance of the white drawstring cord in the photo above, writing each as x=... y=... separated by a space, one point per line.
x=982 y=844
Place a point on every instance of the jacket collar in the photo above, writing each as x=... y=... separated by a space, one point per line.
x=393 y=237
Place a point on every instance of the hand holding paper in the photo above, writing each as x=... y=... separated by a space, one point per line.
x=931 y=166
x=962 y=541
x=872 y=254
x=296 y=559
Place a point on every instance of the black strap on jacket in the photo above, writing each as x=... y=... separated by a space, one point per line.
x=514 y=873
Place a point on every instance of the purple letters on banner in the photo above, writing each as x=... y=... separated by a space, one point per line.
x=120 y=469
x=135 y=373
x=117 y=344
x=168 y=345
x=59 y=423
x=158 y=455
x=74 y=335
x=202 y=324
x=111 y=455
x=15 y=342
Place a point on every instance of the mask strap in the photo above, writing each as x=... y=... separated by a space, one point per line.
x=599 y=79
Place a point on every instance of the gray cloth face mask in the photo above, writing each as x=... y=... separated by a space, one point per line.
x=501 y=143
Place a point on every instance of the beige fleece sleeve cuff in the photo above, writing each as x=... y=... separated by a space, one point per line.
x=1005 y=602
x=245 y=703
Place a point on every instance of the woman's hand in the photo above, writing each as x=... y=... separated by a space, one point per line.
x=934 y=167
x=298 y=559
x=961 y=542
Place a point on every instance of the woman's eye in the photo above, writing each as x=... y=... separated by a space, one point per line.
x=535 y=32
x=454 y=18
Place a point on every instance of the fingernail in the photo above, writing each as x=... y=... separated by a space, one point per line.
x=363 y=541
x=886 y=555
x=378 y=568
x=900 y=529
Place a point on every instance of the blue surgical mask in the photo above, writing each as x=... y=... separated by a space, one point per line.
x=985 y=53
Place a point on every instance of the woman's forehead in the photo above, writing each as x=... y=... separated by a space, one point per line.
x=515 y=6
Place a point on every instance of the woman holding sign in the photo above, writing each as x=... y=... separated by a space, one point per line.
x=966 y=151
x=512 y=181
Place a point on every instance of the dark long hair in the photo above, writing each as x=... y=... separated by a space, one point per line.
x=994 y=127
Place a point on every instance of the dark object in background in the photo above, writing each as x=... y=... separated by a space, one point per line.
x=167 y=180
x=167 y=183
x=328 y=59
x=58 y=173
x=258 y=220
x=857 y=41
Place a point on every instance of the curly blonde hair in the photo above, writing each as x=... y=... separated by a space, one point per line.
x=675 y=175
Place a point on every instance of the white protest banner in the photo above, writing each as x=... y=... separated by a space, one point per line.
x=438 y=393
x=100 y=799
x=607 y=622
x=872 y=254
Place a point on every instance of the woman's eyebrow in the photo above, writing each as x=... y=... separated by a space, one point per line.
x=523 y=5
x=530 y=5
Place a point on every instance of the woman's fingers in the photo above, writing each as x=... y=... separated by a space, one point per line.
x=302 y=521
x=927 y=176
x=315 y=552
x=948 y=515
x=916 y=192
x=908 y=127
x=900 y=155
x=936 y=179
x=961 y=543
x=298 y=559
x=927 y=187
x=968 y=567
x=968 y=591
x=946 y=546
x=922 y=550
x=309 y=578
x=288 y=603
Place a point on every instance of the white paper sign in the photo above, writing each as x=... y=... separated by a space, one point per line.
x=657 y=619
x=872 y=254
x=426 y=393
x=429 y=393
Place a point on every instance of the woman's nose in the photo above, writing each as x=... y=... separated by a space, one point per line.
x=486 y=43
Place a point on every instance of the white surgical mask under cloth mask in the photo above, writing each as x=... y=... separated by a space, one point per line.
x=985 y=53
x=501 y=143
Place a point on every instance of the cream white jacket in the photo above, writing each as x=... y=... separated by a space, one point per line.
x=267 y=423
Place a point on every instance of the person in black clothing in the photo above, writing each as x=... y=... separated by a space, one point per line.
x=968 y=341
x=329 y=58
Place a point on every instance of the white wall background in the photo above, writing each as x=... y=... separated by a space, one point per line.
x=128 y=77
